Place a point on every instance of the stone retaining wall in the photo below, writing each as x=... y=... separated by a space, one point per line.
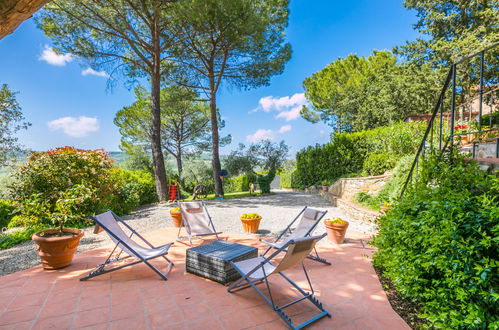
x=348 y=188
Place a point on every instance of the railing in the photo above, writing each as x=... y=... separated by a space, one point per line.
x=463 y=122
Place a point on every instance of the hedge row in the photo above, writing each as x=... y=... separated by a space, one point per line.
x=240 y=183
x=369 y=152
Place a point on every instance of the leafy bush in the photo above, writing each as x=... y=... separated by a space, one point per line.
x=6 y=212
x=378 y=163
x=9 y=240
x=439 y=245
x=239 y=183
x=264 y=181
x=70 y=184
x=347 y=152
x=290 y=180
x=132 y=189
x=81 y=177
x=392 y=189
x=495 y=119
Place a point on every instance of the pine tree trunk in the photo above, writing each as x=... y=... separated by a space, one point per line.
x=215 y=160
x=180 y=168
x=157 y=154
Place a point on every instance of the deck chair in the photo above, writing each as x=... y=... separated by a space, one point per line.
x=257 y=270
x=109 y=222
x=310 y=218
x=197 y=221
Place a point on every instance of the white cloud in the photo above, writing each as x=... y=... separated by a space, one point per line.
x=292 y=114
x=48 y=55
x=92 y=72
x=75 y=127
x=288 y=107
x=284 y=129
x=261 y=134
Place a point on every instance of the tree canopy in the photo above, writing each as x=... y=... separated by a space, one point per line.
x=453 y=29
x=238 y=42
x=185 y=123
x=123 y=37
x=11 y=121
x=263 y=156
x=357 y=93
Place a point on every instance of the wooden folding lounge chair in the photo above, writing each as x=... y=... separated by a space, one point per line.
x=257 y=270
x=197 y=221
x=109 y=221
x=309 y=220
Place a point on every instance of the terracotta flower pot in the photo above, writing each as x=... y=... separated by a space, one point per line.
x=177 y=218
x=57 y=251
x=336 y=231
x=251 y=225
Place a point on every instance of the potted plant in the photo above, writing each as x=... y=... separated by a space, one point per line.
x=57 y=246
x=176 y=217
x=250 y=222
x=336 y=229
x=325 y=185
x=385 y=206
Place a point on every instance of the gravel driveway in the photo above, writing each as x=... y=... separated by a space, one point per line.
x=277 y=210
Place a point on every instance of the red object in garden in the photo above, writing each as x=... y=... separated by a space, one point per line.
x=173 y=193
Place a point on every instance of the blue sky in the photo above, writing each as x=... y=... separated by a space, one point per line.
x=70 y=105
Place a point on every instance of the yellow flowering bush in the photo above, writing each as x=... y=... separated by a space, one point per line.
x=336 y=220
x=250 y=216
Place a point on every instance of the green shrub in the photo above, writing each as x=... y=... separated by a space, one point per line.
x=290 y=180
x=347 y=152
x=439 y=245
x=378 y=163
x=9 y=240
x=132 y=189
x=67 y=173
x=264 y=181
x=391 y=190
x=495 y=119
x=239 y=183
x=7 y=211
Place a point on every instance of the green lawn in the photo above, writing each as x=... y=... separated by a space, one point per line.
x=240 y=194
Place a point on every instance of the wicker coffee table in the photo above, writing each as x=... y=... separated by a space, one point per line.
x=212 y=260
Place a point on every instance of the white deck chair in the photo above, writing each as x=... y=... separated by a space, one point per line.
x=257 y=270
x=197 y=221
x=309 y=219
x=109 y=221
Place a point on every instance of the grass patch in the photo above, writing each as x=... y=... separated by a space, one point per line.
x=239 y=194
x=9 y=240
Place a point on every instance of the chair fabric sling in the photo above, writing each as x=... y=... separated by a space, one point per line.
x=258 y=270
x=309 y=218
x=197 y=221
x=109 y=221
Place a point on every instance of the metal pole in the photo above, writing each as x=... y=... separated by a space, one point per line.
x=453 y=104
x=441 y=121
x=482 y=60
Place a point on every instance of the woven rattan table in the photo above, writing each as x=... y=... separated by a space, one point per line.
x=212 y=260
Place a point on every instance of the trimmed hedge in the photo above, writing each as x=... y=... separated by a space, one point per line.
x=439 y=245
x=290 y=180
x=239 y=183
x=352 y=153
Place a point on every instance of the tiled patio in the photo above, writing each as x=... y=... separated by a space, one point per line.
x=136 y=297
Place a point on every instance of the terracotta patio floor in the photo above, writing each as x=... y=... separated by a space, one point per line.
x=136 y=297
